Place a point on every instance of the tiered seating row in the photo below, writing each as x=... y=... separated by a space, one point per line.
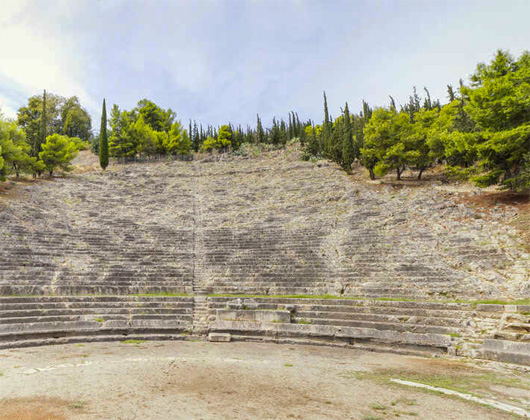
x=496 y=332
x=28 y=321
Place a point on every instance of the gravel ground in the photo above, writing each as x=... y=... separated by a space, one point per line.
x=183 y=380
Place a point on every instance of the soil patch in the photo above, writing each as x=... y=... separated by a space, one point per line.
x=36 y=408
x=488 y=200
x=182 y=380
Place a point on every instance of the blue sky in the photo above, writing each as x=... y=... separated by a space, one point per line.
x=221 y=61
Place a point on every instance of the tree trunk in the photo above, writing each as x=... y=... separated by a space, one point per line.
x=398 y=174
x=421 y=171
x=372 y=174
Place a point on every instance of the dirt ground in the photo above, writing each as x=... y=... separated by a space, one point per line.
x=183 y=380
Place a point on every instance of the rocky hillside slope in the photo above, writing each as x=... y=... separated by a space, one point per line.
x=267 y=225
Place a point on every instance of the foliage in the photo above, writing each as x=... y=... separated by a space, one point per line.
x=122 y=143
x=57 y=153
x=15 y=151
x=53 y=114
x=177 y=140
x=1 y=164
x=76 y=120
x=224 y=139
x=103 y=141
x=209 y=144
x=482 y=134
x=147 y=130
x=421 y=157
x=389 y=142
x=499 y=103
x=452 y=137
x=348 y=148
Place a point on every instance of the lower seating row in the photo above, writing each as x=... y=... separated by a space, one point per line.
x=489 y=331
x=40 y=320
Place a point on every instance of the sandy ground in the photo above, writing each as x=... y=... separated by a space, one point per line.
x=183 y=380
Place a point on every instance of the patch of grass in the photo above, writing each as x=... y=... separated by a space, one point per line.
x=327 y=296
x=277 y=296
x=99 y=320
x=383 y=299
x=353 y=374
x=77 y=405
x=160 y=294
x=454 y=335
x=304 y=321
x=80 y=345
x=288 y=365
x=406 y=401
x=379 y=407
x=494 y=302
x=468 y=384
x=372 y=417
x=133 y=342
x=398 y=413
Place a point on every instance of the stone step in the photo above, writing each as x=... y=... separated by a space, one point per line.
x=12 y=332
x=415 y=328
x=31 y=341
x=348 y=334
x=96 y=316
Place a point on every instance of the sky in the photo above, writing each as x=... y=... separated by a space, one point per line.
x=225 y=61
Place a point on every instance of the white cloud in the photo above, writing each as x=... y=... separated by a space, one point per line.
x=6 y=109
x=34 y=58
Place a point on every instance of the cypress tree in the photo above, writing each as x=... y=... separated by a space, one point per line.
x=42 y=137
x=103 y=142
x=326 y=129
x=392 y=103
x=348 y=151
x=190 y=133
x=260 y=135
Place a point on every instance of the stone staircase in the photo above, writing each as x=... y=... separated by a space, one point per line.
x=200 y=315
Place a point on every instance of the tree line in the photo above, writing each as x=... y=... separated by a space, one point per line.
x=482 y=133
x=149 y=130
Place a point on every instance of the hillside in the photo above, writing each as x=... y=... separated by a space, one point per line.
x=268 y=225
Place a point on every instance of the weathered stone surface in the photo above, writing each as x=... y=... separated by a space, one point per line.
x=219 y=337
x=256 y=315
x=507 y=351
x=271 y=225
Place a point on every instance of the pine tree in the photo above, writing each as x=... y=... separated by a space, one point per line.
x=103 y=142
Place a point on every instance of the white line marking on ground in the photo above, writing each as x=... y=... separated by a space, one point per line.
x=501 y=406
